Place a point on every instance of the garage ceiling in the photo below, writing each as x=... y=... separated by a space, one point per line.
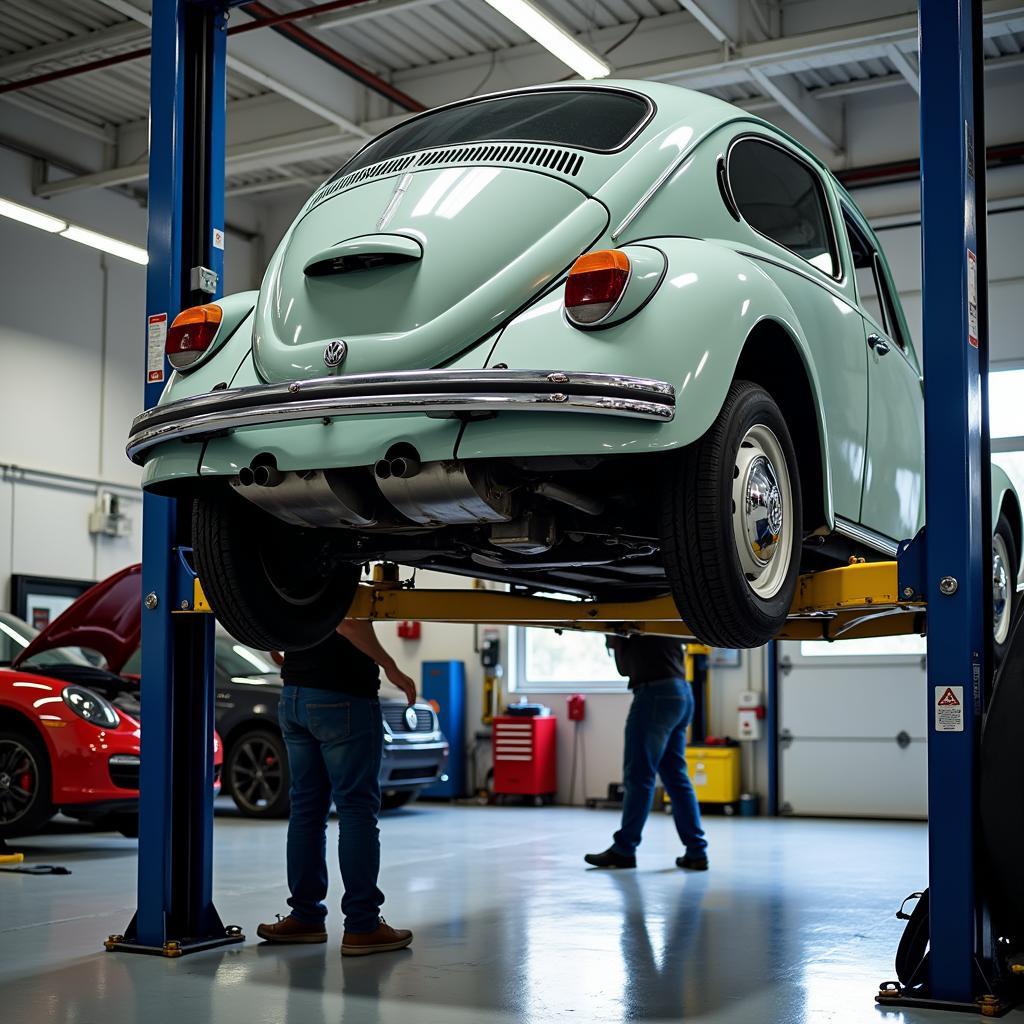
x=293 y=116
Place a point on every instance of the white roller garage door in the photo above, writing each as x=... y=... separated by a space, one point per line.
x=853 y=729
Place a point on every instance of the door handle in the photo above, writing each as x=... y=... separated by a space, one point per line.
x=878 y=343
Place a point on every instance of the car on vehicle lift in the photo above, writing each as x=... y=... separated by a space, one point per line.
x=69 y=724
x=256 y=772
x=608 y=339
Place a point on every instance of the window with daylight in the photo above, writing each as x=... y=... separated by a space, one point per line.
x=544 y=661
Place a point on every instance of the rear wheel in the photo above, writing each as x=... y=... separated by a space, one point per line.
x=732 y=522
x=1004 y=585
x=271 y=585
x=256 y=771
x=25 y=784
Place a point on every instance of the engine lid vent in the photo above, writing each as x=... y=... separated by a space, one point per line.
x=551 y=158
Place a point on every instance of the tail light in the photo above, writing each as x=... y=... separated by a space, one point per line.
x=595 y=285
x=191 y=334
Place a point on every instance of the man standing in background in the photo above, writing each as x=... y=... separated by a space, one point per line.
x=332 y=726
x=659 y=716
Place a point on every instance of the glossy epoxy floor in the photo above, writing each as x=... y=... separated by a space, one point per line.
x=794 y=923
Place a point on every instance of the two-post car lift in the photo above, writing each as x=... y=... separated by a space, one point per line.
x=943 y=570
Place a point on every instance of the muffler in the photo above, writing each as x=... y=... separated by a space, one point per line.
x=441 y=493
x=317 y=498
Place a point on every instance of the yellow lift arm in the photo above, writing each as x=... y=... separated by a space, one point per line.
x=851 y=602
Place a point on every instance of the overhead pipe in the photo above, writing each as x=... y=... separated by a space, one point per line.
x=265 y=18
x=320 y=49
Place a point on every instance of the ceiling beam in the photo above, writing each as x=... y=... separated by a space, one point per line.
x=253 y=73
x=902 y=64
x=794 y=100
x=101 y=132
x=365 y=11
x=725 y=33
x=859 y=85
x=307 y=144
x=96 y=43
x=858 y=41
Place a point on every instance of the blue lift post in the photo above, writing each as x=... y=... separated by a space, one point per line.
x=175 y=912
x=958 y=588
x=957 y=541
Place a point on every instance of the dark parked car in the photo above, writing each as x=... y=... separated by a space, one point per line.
x=255 y=763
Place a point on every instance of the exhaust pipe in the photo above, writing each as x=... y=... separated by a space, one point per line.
x=401 y=467
x=245 y=477
x=266 y=476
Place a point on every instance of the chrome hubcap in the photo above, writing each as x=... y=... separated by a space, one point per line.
x=1001 y=593
x=762 y=501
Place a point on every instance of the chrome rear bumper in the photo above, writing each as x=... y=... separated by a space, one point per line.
x=433 y=392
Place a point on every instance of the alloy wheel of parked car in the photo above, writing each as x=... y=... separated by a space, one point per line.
x=1004 y=585
x=732 y=522
x=24 y=784
x=257 y=774
x=272 y=586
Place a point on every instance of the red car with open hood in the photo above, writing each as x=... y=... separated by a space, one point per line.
x=69 y=723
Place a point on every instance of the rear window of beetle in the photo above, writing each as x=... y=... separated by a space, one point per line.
x=593 y=119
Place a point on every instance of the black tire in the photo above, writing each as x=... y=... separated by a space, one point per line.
x=1001 y=777
x=700 y=549
x=398 y=798
x=256 y=772
x=1002 y=624
x=912 y=952
x=25 y=783
x=272 y=586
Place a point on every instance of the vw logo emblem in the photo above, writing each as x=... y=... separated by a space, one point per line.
x=334 y=354
x=411 y=719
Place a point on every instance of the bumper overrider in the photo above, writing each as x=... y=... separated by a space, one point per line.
x=438 y=393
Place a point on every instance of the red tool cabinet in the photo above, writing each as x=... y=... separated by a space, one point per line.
x=524 y=755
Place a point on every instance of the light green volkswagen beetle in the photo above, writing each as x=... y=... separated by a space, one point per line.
x=607 y=340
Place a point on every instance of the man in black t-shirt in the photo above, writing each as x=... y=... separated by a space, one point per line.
x=332 y=726
x=659 y=716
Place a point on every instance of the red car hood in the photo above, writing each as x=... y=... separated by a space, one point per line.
x=107 y=618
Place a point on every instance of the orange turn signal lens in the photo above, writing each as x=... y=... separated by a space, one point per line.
x=192 y=333
x=595 y=284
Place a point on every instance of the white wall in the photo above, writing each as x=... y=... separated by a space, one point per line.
x=72 y=329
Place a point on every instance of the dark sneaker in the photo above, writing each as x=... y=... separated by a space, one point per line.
x=610 y=859
x=384 y=939
x=287 y=929
x=692 y=863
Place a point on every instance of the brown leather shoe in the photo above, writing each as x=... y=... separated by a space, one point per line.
x=287 y=929
x=384 y=939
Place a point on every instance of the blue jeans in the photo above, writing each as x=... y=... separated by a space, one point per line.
x=656 y=728
x=334 y=746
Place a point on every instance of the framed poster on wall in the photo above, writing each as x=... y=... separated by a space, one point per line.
x=40 y=599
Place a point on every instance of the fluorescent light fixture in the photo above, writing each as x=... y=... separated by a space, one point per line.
x=107 y=244
x=29 y=216
x=552 y=36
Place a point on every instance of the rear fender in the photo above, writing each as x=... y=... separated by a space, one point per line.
x=175 y=461
x=713 y=308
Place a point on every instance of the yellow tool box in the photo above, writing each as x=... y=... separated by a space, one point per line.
x=715 y=772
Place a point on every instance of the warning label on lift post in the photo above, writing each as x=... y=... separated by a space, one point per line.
x=949 y=709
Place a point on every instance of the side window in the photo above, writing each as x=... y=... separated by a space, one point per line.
x=876 y=297
x=782 y=197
